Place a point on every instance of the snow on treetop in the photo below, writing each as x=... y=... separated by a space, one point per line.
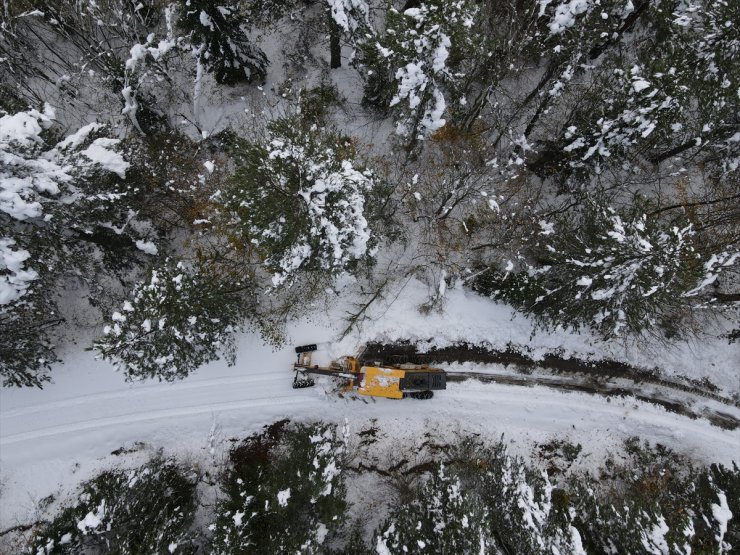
x=31 y=172
x=100 y=153
x=565 y=14
x=14 y=278
x=332 y=195
x=24 y=127
x=349 y=14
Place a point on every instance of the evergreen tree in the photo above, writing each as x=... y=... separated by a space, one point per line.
x=525 y=514
x=176 y=320
x=299 y=199
x=614 y=272
x=672 y=96
x=668 y=95
x=218 y=34
x=416 y=66
x=284 y=492
x=444 y=519
x=26 y=350
x=656 y=502
x=60 y=203
x=145 y=510
x=718 y=492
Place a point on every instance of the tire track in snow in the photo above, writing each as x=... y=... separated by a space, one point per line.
x=132 y=418
x=139 y=391
x=405 y=351
x=722 y=419
x=539 y=408
x=134 y=396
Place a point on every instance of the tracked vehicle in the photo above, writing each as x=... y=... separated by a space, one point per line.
x=394 y=381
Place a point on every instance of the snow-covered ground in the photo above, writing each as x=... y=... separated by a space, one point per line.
x=470 y=318
x=53 y=438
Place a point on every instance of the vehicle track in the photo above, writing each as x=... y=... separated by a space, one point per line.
x=606 y=378
x=155 y=389
x=131 y=418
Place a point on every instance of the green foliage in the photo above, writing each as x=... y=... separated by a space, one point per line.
x=217 y=31
x=145 y=510
x=299 y=199
x=656 y=501
x=623 y=115
x=314 y=103
x=60 y=202
x=443 y=519
x=284 y=492
x=611 y=271
x=691 y=55
x=26 y=351
x=654 y=98
x=176 y=320
x=421 y=64
x=486 y=500
x=718 y=489
x=520 y=289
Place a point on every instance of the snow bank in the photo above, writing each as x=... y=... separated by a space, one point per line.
x=469 y=318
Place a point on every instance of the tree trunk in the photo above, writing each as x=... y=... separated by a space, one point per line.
x=335 y=48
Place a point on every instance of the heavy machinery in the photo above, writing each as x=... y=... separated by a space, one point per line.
x=374 y=380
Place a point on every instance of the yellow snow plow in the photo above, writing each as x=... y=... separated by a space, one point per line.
x=379 y=380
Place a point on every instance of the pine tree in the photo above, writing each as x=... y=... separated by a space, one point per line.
x=284 y=493
x=59 y=201
x=718 y=492
x=668 y=95
x=26 y=350
x=444 y=519
x=217 y=33
x=145 y=510
x=299 y=199
x=615 y=272
x=672 y=97
x=525 y=512
x=176 y=320
x=416 y=66
x=656 y=502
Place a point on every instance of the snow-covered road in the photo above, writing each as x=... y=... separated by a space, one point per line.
x=126 y=407
x=52 y=438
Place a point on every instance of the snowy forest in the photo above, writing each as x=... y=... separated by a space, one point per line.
x=175 y=174
x=576 y=159
x=286 y=490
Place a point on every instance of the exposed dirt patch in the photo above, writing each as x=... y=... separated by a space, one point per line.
x=123 y=450
x=255 y=450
